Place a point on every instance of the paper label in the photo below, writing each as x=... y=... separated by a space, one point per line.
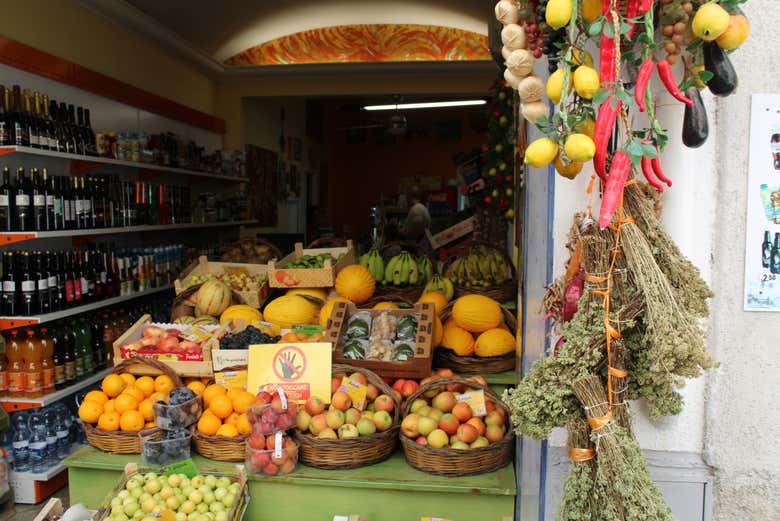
x=39 y=200
x=278 y=444
x=22 y=200
x=186 y=467
x=222 y=358
x=435 y=519
x=301 y=369
x=3 y=200
x=356 y=391
x=231 y=379
x=475 y=399
x=308 y=329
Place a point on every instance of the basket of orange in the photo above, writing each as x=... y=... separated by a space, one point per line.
x=223 y=428
x=115 y=415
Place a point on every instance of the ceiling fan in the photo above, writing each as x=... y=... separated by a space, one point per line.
x=395 y=124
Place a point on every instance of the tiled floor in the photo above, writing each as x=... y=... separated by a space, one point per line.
x=20 y=512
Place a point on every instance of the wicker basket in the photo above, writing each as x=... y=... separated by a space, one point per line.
x=456 y=462
x=444 y=357
x=353 y=452
x=220 y=448
x=127 y=442
x=409 y=293
x=389 y=297
x=500 y=293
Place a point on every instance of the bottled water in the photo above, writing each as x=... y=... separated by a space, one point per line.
x=21 y=443
x=38 y=446
x=61 y=416
x=51 y=437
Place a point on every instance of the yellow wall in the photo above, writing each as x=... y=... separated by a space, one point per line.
x=230 y=91
x=66 y=29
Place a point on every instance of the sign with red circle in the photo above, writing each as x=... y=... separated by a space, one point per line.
x=289 y=363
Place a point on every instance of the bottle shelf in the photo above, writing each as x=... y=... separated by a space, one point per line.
x=13 y=237
x=23 y=321
x=12 y=404
x=86 y=161
x=41 y=476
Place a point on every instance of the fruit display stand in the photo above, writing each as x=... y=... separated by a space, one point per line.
x=388 y=490
x=253 y=295
x=280 y=276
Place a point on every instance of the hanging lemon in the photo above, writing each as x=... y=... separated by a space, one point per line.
x=579 y=147
x=586 y=81
x=710 y=21
x=558 y=13
x=554 y=86
x=541 y=152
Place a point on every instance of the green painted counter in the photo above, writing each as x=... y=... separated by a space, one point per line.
x=390 y=490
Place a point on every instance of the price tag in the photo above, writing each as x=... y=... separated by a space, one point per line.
x=308 y=329
x=475 y=399
x=186 y=467
x=231 y=379
x=435 y=519
x=356 y=391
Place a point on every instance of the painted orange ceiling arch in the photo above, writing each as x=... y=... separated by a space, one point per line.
x=367 y=43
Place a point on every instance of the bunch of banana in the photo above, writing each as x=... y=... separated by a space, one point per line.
x=374 y=262
x=481 y=267
x=440 y=284
x=426 y=268
x=402 y=270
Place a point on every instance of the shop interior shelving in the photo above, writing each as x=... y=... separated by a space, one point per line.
x=83 y=163
x=11 y=404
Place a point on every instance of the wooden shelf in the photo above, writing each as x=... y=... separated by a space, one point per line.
x=12 y=322
x=14 y=237
x=11 y=404
x=86 y=161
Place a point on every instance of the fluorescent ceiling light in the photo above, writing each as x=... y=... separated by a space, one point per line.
x=427 y=105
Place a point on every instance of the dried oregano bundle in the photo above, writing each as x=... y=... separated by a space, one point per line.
x=579 y=501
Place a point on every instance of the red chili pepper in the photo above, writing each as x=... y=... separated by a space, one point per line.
x=642 y=79
x=605 y=5
x=607 y=60
x=647 y=169
x=605 y=122
x=656 y=162
x=632 y=11
x=667 y=77
x=618 y=175
x=644 y=6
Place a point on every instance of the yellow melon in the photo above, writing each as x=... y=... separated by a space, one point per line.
x=355 y=283
x=494 y=342
x=459 y=340
x=289 y=310
x=476 y=313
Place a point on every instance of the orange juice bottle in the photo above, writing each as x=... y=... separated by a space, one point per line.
x=16 y=370
x=32 y=365
x=47 y=361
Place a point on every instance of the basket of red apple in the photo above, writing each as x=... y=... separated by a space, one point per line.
x=271 y=455
x=456 y=427
x=359 y=428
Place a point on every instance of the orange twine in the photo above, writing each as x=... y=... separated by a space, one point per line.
x=582 y=454
x=601 y=421
x=617 y=373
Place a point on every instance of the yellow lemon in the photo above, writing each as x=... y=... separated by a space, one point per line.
x=710 y=21
x=582 y=57
x=591 y=10
x=541 y=152
x=586 y=81
x=587 y=127
x=579 y=147
x=554 y=87
x=558 y=13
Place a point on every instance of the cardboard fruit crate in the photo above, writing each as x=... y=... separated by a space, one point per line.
x=238 y=475
x=450 y=234
x=254 y=296
x=182 y=368
x=325 y=277
x=418 y=366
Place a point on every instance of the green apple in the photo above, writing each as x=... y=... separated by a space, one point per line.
x=148 y=505
x=189 y=489
x=202 y=508
x=174 y=480
x=211 y=481
x=220 y=493
x=173 y=503
x=229 y=500
x=166 y=492
x=209 y=497
x=149 y=476
x=180 y=516
x=130 y=508
x=136 y=493
x=216 y=506
x=123 y=494
x=152 y=486
x=197 y=481
x=223 y=482
x=220 y=516
x=196 y=496
x=187 y=507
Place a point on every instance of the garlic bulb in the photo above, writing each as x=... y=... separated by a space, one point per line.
x=506 y=12
x=511 y=79
x=520 y=62
x=531 y=88
x=535 y=109
x=513 y=37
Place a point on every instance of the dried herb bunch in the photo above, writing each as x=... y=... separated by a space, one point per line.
x=579 y=502
x=623 y=487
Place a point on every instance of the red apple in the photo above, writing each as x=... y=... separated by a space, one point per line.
x=189 y=347
x=443 y=371
x=494 y=433
x=384 y=403
x=444 y=401
x=409 y=426
x=422 y=440
x=478 y=379
x=467 y=433
x=358 y=377
x=456 y=388
x=263 y=397
x=335 y=383
x=478 y=424
x=173 y=332
x=170 y=343
x=314 y=406
x=260 y=459
x=271 y=469
x=399 y=384
x=318 y=423
x=277 y=405
x=449 y=424
x=409 y=388
x=257 y=441
x=150 y=341
x=372 y=391
x=154 y=331
x=495 y=418
x=463 y=412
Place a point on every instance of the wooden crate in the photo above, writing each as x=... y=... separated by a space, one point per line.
x=325 y=277
x=182 y=368
x=452 y=233
x=255 y=296
x=419 y=366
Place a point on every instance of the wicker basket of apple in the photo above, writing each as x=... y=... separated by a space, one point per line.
x=348 y=435
x=449 y=430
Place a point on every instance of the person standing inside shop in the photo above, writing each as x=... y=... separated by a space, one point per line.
x=418 y=220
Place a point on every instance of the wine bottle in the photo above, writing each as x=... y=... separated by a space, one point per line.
x=41 y=284
x=27 y=282
x=22 y=202
x=46 y=121
x=10 y=285
x=64 y=130
x=29 y=121
x=54 y=289
x=78 y=205
x=20 y=136
x=40 y=127
x=6 y=202
x=5 y=133
x=38 y=197
x=89 y=135
x=75 y=130
x=48 y=194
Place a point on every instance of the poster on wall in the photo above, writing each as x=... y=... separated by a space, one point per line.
x=762 y=238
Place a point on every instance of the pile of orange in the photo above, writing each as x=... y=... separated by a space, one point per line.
x=124 y=403
x=224 y=411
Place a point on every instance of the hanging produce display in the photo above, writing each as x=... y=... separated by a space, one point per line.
x=628 y=309
x=499 y=152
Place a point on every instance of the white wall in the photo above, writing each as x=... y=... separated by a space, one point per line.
x=742 y=422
